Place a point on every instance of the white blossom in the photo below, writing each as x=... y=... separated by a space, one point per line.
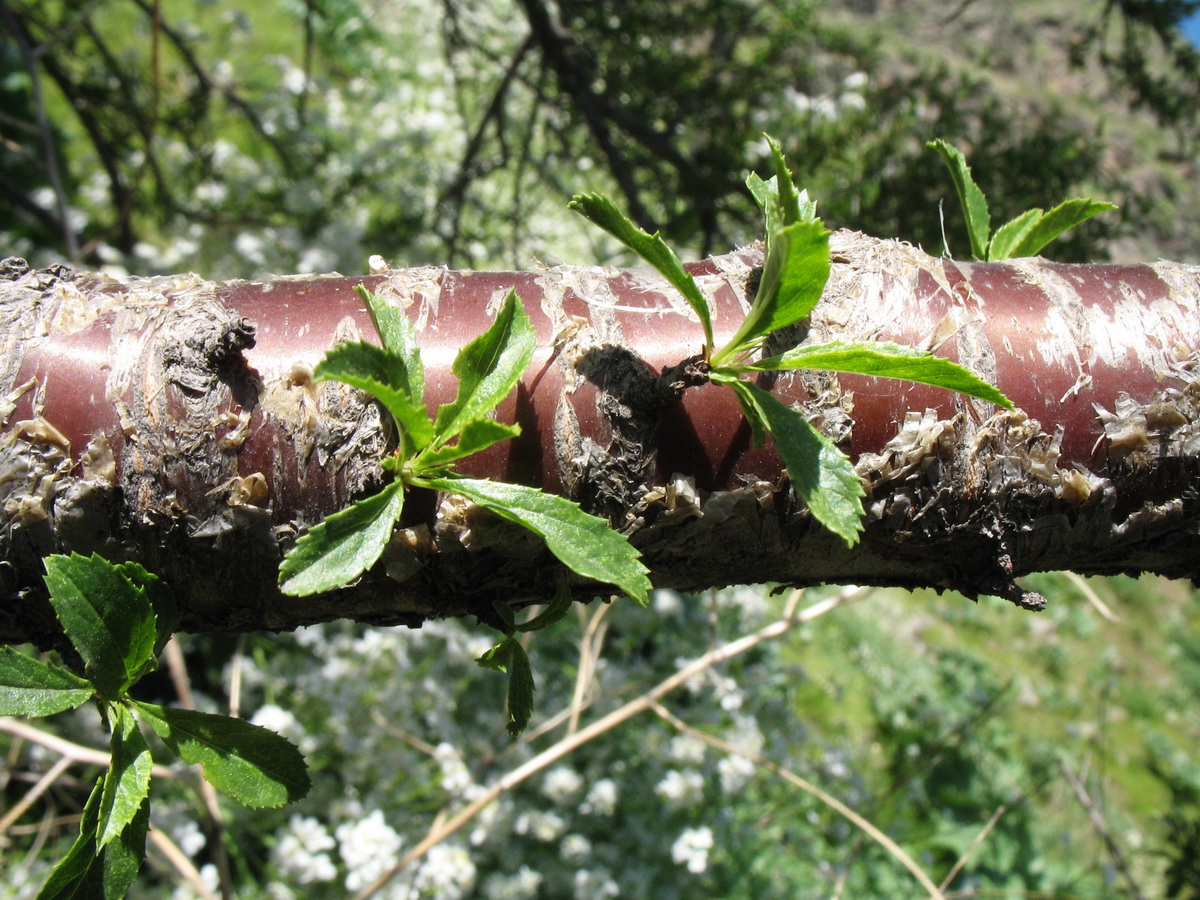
x=681 y=789
x=545 y=826
x=734 y=772
x=447 y=873
x=456 y=777
x=561 y=784
x=575 y=848
x=368 y=847
x=301 y=852
x=601 y=798
x=666 y=603
x=691 y=849
x=521 y=885
x=188 y=836
x=210 y=879
x=276 y=718
x=595 y=884
x=686 y=750
x=250 y=246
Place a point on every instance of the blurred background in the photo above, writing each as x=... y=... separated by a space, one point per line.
x=285 y=136
x=1012 y=755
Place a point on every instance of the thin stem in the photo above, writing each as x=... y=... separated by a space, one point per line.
x=1098 y=823
x=979 y=839
x=43 y=784
x=74 y=752
x=829 y=800
x=177 y=858
x=589 y=655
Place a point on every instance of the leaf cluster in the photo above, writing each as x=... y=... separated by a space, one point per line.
x=349 y=542
x=795 y=270
x=119 y=617
x=1025 y=235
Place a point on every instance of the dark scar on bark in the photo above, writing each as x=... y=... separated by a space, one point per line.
x=631 y=400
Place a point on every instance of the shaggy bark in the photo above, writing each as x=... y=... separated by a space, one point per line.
x=174 y=421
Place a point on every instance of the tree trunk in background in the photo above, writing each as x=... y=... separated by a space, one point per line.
x=174 y=422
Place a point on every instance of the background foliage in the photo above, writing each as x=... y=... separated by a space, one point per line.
x=304 y=135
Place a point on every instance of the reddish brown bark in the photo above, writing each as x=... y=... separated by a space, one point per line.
x=173 y=421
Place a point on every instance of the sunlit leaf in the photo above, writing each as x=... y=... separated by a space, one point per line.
x=385 y=377
x=1009 y=235
x=583 y=542
x=399 y=338
x=109 y=620
x=127 y=782
x=488 y=368
x=252 y=765
x=821 y=474
x=1062 y=218
x=885 y=360
x=476 y=436
x=650 y=247
x=30 y=687
x=785 y=188
x=793 y=277
x=343 y=546
x=974 y=204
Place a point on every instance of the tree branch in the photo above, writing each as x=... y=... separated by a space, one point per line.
x=175 y=422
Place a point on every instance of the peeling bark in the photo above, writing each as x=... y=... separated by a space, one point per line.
x=174 y=421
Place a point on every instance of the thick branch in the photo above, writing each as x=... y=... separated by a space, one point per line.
x=174 y=421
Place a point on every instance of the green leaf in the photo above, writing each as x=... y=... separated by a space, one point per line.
x=509 y=656
x=520 y=689
x=974 y=204
x=488 y=368
x=767 y=197
x=554 y=612
x=496 y=657
x=1062 y=218
x=166 y=613
x=794 y=275
x=127 y=782
x=584 y=543
x=884 y=360
x=781 y=205
x=343 y=546
x=69 y=877
x=385 y=377
x=758 y=424
x=808 y=208
x=252 y=765
x=88 y=873
x=30 y=687
x=1011 y=233
x=476 y=436
x=599 y=209
x=785 y=188
x=821 y=474
x=122 y=858
x=108 y=619
x=399 y=338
